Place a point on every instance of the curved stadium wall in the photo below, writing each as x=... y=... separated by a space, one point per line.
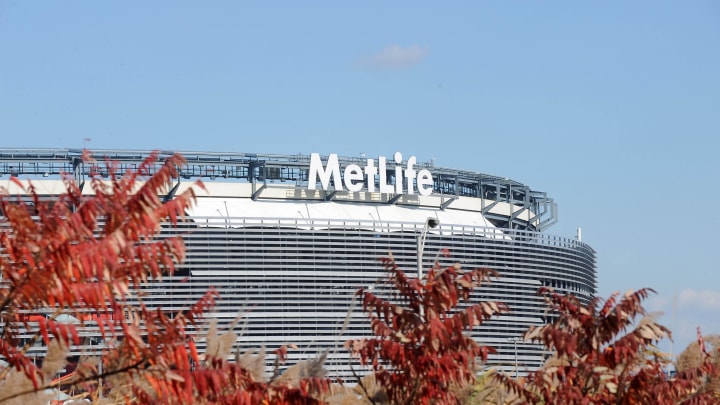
x=287 y=250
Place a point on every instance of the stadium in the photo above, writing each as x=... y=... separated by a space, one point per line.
x=287 y=240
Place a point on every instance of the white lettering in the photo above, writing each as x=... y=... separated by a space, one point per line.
x=424 y=182
x=382 y=168
x=317 y=171
x=370 y=172
x=354 y=176
x=398 y=173
x=410 y=174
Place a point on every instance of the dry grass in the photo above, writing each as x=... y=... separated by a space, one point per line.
x=253 y=362
x=304 y=369
x=17 y=389
x=219 y=346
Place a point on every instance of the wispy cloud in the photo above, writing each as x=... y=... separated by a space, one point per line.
x=705 y=299
x=684 y=312
x=395 y=57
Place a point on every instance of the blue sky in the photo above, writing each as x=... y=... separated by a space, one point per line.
x=612 y=107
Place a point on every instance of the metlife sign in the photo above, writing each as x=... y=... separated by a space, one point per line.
x=354 y=177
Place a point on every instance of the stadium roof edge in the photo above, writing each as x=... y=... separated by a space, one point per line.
x=11 y=155
x=262 y=169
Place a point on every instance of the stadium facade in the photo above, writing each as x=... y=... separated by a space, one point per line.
x=287 y=240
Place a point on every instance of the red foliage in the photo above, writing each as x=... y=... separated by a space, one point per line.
x=595 y=363
x=81 y=255
x=420 y=351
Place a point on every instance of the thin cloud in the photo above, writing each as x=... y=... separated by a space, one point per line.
x=656 y=303
x=705 y=299
x=395 y=57
x=684 y=312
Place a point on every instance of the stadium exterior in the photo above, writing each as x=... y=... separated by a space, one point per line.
x=288 y=239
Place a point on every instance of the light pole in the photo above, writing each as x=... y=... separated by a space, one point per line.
x=515 y=341
x=430 y=222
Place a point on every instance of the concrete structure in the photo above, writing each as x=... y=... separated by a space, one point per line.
x=288 y=239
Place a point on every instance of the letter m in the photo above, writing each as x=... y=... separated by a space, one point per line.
x=317 y=171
